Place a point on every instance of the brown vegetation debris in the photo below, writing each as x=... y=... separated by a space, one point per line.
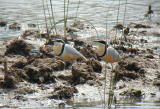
x=130 y=69
x=39 y=75
x=88 y=52
x=8 y=82
x=66 y=77
x=19 y=74
x=30 y=33
x=141 y=26
x=18 y=47
x=127 y=49
x=82 y=72
x=143 y=41
x=149 y=56
x=32 y=25
x=47 y=51
x=15 y=26
x=79 y=25
x=156 y=82
x=52 y=64
x=93 y=82
x=132 y=93
x=131 y=65
x=40 y=70
x=20 y=97
x=72 y=29
x=79 y=42
x=58 y=65
x=25 y=90
x=96 y=65
x=20 y=64
x=86 y=49
x=63 y=92
x=118 y=26
x=3 y=23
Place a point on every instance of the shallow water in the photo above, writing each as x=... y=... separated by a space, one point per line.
x=94 y=11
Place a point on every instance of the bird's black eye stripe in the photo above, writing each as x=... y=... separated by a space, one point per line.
x=63 y=46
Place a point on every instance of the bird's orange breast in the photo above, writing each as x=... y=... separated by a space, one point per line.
x=109 y=58
x=69 y=57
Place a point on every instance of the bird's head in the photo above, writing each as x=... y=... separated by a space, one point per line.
x=57 y=45
x=100 y=43
x=100 y=46
x=58 y=42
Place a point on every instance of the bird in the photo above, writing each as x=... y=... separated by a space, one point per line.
x=66 y=52
x=107 y=53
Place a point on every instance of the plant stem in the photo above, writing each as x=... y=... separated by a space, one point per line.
x=105 y=75
x=49 y=15
x=125 y=16
x=67 y=11
x=53 y=17
x=65 y=18
x=45 y=18
x=77 y=10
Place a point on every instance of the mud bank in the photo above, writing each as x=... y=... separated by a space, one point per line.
x=33 y=75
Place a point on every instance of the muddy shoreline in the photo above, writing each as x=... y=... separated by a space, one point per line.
x=33 y=76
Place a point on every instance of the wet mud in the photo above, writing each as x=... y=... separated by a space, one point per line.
x=27 y=68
